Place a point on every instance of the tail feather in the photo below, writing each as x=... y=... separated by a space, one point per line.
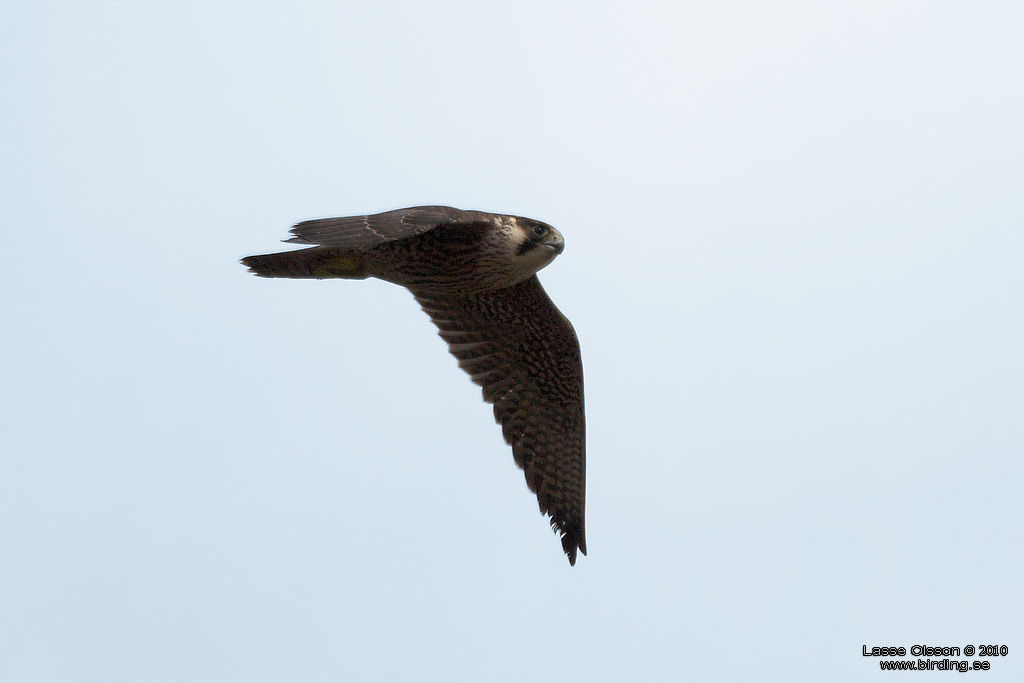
x=316 y=263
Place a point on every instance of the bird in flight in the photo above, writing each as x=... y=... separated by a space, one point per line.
x=475 y=275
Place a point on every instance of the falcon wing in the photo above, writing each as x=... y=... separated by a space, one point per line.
x=366 y=231
x=518 y=346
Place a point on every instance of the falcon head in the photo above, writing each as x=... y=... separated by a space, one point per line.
x=533 y=244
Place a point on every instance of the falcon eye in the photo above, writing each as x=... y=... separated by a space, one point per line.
x=539 y=230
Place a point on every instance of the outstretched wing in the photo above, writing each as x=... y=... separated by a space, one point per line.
x=518 y=346
x=366 y=231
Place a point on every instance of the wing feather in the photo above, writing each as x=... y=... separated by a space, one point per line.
x=366 y=231
x=524 y=354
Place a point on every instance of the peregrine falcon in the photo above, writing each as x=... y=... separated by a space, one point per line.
x=475 y=275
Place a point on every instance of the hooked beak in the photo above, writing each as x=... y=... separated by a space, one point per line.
x=553 y=240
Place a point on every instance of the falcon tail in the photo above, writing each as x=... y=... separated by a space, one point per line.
x=314 y=263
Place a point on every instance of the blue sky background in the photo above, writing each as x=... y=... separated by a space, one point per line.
x=794 y=260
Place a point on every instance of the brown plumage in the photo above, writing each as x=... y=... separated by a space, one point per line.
x=474 y=274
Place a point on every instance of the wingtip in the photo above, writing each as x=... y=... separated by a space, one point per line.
x=296 y=234
x=572 y=542
x=570 y=552
x=295 y=237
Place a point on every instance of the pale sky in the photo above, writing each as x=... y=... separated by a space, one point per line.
x=794 y=259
